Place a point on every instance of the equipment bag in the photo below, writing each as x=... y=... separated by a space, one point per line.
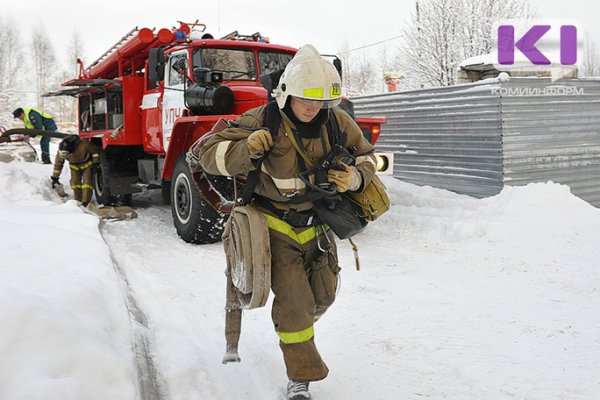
x=341 y=216
x=372 y=201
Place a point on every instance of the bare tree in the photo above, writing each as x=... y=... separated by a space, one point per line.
x=347 y=67
x=360 y=72
x=429 y=56
x=442 y=33
x=12 y=70
x=590 y=65
x=363 y=79
x=67 y=104
x=44 y=63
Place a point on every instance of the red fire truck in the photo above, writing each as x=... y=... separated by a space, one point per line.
x=153 y=94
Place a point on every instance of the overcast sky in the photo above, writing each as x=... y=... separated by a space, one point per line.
x=329 y=25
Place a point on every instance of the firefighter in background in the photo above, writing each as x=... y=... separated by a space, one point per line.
x=308 y=87
x=35 y=119
x=82 y=156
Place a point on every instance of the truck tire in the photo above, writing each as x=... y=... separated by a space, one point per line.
x=102 y=185
x=196 y=221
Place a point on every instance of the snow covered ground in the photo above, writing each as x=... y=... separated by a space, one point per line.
x=457 y=298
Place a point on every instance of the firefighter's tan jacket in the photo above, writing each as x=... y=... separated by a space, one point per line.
x=84 y=156
x=226 y=153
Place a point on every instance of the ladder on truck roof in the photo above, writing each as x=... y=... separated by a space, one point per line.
x=108 y=52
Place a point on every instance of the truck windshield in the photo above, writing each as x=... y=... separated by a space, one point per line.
x=270 y=61
x=239 y=64
x=234 y=63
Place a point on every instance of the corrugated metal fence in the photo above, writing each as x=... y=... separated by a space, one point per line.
x=475 y=138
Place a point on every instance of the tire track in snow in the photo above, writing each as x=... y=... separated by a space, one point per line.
x=150 y=387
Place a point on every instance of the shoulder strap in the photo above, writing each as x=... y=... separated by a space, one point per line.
x=272 y=118
x=336 y=136
x=298 y=147
x=271 y=122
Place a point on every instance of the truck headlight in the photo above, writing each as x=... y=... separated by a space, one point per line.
x=384 y=163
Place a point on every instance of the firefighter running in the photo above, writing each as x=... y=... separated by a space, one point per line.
x=82 y=156
x=304 y=266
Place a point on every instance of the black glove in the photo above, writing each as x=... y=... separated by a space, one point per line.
x=55 y=182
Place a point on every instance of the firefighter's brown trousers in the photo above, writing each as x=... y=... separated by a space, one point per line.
x=81 y=183
x=304 y=281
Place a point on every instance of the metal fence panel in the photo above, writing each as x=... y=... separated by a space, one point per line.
x=551 y=132
x=474 y=138
x=446 y=137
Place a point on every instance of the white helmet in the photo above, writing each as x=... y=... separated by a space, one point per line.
x=308 y=76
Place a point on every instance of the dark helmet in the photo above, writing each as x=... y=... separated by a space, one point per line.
x=68 y=144
x=18 y=112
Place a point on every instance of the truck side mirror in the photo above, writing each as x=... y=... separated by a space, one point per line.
x=156 y=65
x=205 y=75
x=200 y=74
x=180 y=65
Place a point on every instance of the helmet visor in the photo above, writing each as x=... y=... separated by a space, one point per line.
x=324 y=104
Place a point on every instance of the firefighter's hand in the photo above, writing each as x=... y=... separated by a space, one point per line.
x=259 y=142
x=55 y=182
x=347 y=178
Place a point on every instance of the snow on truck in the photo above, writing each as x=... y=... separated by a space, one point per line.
x=153 y=94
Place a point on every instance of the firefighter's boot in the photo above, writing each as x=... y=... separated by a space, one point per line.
x=297 y=391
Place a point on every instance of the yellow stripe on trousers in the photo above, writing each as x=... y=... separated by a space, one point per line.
x=297 y=337
x=80 y=167
x=82 y=187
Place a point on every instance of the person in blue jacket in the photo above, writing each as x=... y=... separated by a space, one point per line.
x=35 y=119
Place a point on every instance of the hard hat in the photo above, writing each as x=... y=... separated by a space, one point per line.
x=308 y=76
x=67 y=145
x=17 y=112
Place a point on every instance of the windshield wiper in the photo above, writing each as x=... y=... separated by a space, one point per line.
x=239 y=73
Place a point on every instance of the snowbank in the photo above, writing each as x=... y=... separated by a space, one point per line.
x=65 y=330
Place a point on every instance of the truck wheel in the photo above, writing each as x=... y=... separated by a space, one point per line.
x=195 y=220
x=102 y=185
